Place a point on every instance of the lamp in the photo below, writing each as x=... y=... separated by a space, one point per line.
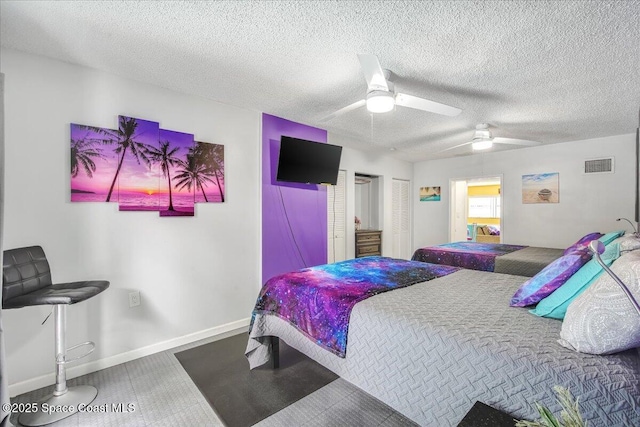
x=597 y=247
x=482 y=144
x=380 y=101
x=635 y=230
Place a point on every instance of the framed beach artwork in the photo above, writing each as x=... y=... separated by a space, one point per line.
x=93 y=164
x=138 y=173
x=541 y=188
x=145 y=168
x=171 y=161
x=209 y=166
x=429 y=194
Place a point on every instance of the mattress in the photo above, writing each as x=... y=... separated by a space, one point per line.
x=526 y=262
x=434 y=348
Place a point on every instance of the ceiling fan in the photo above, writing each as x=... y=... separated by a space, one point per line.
x=381 y=96
x=483 y=140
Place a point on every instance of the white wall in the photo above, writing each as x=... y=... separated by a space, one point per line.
x=194 y=274
x=386 y=168
x=587 y=202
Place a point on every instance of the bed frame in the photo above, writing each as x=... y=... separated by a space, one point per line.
x=431 y=350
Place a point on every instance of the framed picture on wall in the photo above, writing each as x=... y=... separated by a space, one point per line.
x=143 y=167
x=541 y=188
x=429 y=194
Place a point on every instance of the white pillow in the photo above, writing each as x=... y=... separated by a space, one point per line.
x=602 y=320
x=628 y=242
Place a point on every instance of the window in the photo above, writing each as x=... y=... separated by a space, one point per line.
x=484 y=207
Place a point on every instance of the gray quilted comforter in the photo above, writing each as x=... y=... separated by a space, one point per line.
x=526 y=262
x=432 y=349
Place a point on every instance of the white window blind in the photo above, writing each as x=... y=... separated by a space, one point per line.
x=484 y=207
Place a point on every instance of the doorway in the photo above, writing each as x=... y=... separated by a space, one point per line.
x=476 y=209
x=368 y=201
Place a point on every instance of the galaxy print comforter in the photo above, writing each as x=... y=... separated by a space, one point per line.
x=318 y=300
x=471 y=255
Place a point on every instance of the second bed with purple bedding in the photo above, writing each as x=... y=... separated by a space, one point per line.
x=471 y=255
x=495 y=257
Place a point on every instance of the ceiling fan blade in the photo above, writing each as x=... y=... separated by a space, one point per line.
x=373 y=72
x=514 y=141
x=346 y=109
x=456 y=146
x=426 y=105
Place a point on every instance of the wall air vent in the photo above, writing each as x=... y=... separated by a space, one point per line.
x=598 y=165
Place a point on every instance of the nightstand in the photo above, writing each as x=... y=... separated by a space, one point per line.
x=368 y=243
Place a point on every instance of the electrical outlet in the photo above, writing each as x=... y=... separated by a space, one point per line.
x=134 y=299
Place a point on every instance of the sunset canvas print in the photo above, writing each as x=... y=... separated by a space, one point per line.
x=209 y=172
x=145 y=168
x=137 y=174
x=175 y=148
x=93 y=163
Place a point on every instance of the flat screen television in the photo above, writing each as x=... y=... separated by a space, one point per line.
x=308 y=162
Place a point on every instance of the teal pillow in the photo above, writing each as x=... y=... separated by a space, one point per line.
x=610 y=237
x=555 y=305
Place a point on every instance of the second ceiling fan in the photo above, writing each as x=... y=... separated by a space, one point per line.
x=483 y=140
x=382 y=97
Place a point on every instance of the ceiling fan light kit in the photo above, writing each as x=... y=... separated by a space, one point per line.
x=483 y=140
x=483 y=144
x=380 y=101
x=382 y=96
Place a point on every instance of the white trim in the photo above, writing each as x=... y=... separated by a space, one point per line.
x=96 y=365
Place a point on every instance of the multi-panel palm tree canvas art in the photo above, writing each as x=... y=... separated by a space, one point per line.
x=145 y=168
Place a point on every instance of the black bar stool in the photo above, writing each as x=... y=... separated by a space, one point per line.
x=26 y=280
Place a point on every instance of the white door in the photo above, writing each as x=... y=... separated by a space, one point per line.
x=400 y=233
x=458 y=210
x=337 y=220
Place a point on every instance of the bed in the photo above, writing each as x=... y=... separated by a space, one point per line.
x=500 y=258
x=433 y=348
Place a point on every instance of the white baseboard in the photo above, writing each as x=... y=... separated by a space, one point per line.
x=96 y=365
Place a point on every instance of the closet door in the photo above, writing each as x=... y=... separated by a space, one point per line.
x=400 y=233
x=336 y=220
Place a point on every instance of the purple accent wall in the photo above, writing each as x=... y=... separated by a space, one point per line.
x=302 y=241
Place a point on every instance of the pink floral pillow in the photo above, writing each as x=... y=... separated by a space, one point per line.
x=583 y=243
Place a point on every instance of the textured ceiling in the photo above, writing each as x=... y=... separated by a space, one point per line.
x=548 y=71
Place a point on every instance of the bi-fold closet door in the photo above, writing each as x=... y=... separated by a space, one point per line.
x=336 y=220
x=400 y=219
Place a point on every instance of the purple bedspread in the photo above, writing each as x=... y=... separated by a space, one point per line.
x=318 y=300
x=471 y=255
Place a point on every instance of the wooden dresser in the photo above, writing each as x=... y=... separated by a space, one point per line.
x=368 y=243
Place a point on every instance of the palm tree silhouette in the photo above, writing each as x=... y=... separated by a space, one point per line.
x=217 y=165
x=82 y=154
x=211 y=158
x=125 y=140
x=125 y=137
x=192 y=174
x=166 y=156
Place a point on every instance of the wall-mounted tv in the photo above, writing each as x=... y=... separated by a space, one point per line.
x=308 y=162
